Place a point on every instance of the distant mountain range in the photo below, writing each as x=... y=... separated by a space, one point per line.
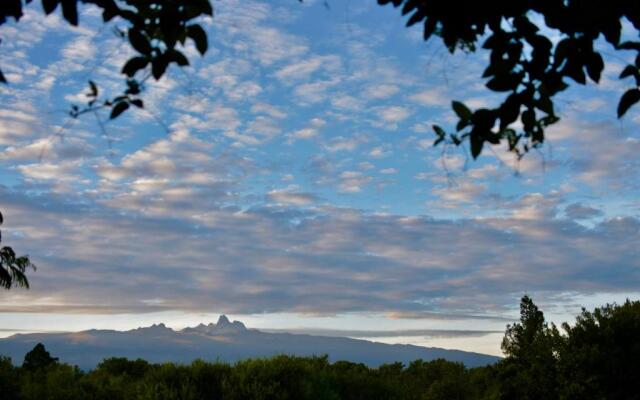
x=224 y=341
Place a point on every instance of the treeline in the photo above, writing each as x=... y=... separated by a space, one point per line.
x=597 y=357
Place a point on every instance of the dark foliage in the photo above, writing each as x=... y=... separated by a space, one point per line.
x=38 y=359
x=12 y=267
x=156 y=30
x=524 y=63
x=595 y=358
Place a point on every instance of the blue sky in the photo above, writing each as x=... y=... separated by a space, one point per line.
x=287 y=178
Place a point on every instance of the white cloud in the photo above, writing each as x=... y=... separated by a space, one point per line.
x=287 y=196
x=382 y=91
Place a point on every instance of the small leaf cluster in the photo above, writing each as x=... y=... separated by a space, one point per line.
x=118 y=105
x=156 y=30
x=524 y=63
x=13 y=268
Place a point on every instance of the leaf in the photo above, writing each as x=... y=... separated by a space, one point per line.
x=49 y=6
x=139 y=41
x=133 y=87
x=430 y=26
x=528 y=119
x=629 y=98
x=416 y=17
x=206 y=8
x=524 y=26
x=70 y=11
x=477 y=143
x=461 y=110
x=199 y=37
x=629 y=70
x=545 y=104
x=504 y=82
x=509 y=111
x=629 y=46
x=562 y=50
x=612 y=31
x=118 y=109
x=573 y=69
x=179 y=58
x=134 y=65
x=439 y=131
x=93 y=88
x=595 y=65
x=159 y=66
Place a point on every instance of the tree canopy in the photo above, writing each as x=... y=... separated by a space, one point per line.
x=594 y=358
x=38 y=358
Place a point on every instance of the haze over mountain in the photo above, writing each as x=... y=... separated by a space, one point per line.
x=225 y=341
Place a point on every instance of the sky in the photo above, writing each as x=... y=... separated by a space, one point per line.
x=288 y=179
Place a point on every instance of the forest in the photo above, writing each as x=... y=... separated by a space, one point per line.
x=595 y=357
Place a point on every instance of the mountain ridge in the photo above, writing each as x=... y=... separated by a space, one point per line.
x=224 y=341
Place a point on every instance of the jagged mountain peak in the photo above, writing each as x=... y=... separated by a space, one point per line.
x=226 y=341
x=224 y=323
x=222 y=327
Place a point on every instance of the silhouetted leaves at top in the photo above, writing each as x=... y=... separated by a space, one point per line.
x=118 y=109
x=199 y=36
x=629 y=98
x=154 y=29
x=529 y=79
x=139 y=42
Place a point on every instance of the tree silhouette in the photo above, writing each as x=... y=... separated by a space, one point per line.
x=524 y=63
x=12 y=268
x=38 y=358
x=529 y=369
x=600 y=352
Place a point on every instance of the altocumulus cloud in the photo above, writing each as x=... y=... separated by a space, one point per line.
x=182 y=206
x=325 y=260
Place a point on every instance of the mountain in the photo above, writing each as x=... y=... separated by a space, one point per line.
x=225 y=341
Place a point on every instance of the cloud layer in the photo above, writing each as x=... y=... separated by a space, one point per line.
x=291 y=170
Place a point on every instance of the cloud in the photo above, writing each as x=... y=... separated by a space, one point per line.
x=191 y=210
x=393 y=114
x=425 y=333
x=580 y=211
x=303 y=69
x=290 y=197
x=326 y=260
x=431 y=97
x=342 y=143
x=353 y=181
x=382 y=91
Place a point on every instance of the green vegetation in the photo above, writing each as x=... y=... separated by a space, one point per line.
x=537 y=49
x=595 y=358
